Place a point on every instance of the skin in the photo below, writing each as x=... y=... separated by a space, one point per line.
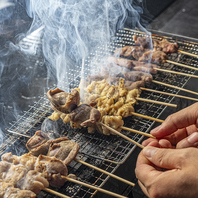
x=167 y=166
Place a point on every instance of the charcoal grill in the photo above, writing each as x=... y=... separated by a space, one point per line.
x=106 y=152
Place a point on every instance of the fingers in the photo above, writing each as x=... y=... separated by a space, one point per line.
x=143 y=188
x=163 y=143
x=179 y=120
x=163 y=158
x=190 y=141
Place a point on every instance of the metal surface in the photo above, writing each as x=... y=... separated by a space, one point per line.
x=106 y=152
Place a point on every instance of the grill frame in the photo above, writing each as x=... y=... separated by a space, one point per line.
x=32 y=119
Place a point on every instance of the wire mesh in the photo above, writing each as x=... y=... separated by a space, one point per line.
x=105 y=152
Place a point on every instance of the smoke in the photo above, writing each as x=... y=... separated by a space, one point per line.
x=45 y=43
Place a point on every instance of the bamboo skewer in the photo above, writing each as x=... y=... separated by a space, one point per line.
x=147 y=117
x=175 y=72
x=120 y=134
x=156 y=102
x=90 y=165
x=105 y=172
x=166 y=93
x=139 y=132
x=93 y=187
x=56 y=193
x=175 y=87
x=187 y=53
x=182 y=65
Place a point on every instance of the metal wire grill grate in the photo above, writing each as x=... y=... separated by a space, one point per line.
x=106 y=152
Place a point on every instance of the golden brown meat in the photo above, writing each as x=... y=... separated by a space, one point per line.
x=63 y=149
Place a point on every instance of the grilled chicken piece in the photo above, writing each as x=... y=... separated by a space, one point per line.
x=85 y=115
x=134 y=85
x=137 y=75
x=114 y=122
x=33 y=181
x=52 y=169
x=132 y=64
x=165 y=46
x=21 y=177
x=144 y=41
x=27 y=160
x=157 y=57
x=63 y=149
x=8 y=190
x=37 y=140
x=38 y=144
x=62 y=101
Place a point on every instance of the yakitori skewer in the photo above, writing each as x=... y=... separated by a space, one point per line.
x=175 y=87
x=94 y=187
x=121 y=135
x=175 y=72
x=181 y=51
x=169 y=94
x=90 y=165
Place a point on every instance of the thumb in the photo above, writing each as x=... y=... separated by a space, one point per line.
x=190 y=141
x=163 y=158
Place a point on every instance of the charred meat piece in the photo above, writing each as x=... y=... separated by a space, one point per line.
x=137 y=76
x=121 y=62
x=135 y=51
x=134 y=85
x=85 y=115
x=63 y=149
x=144 y=41
x=157 y=57
x=165 y=46
x=8 y=190
x=132 y=64
x=62 y=101
x=52 y=169
x=38 y=139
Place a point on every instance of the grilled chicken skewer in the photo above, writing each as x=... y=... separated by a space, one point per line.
x=50 y=169
x=87 y=116
x=61 y=148
x=181 y=51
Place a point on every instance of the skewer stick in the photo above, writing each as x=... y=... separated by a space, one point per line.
x=175 y=72
x=105 y=172
x=89 y=165
x=182 y=65
x=56 y=193
x=94 y=187
x=157 y=102
x=139 y=132
x=121 y=135
x=175 y=87
x=187 y=53
x=166 y=93
x=147 y=117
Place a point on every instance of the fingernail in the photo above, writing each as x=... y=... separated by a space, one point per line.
x=193 y=138
x=149 y=151
x=156 y=129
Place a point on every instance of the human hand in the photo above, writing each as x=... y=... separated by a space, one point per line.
x=180 y=178
x=178 y=130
